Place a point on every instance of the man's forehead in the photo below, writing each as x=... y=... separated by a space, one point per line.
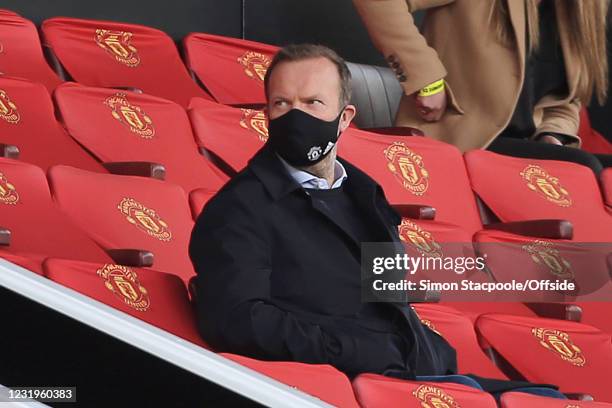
x=312 y=74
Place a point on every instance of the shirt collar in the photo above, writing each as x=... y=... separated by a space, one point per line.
x=309 y=180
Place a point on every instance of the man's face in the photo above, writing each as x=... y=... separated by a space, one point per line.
x=311 y=85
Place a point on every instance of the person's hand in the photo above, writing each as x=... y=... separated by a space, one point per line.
x=550 y=140
x=431 y=108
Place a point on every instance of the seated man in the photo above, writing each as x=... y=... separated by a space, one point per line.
x=277 y=250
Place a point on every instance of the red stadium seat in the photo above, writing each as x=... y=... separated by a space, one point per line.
x=416 y=170
x=27 y=120
x=606 y=186
x=38 y=229
x=198 y=199
x=321 y=381
x=110 y=54
x=232 y=135
x=129 y=212
x=592 y=140
x=231 y=69
x=576 y=357
x=158 y=298
x=527 y=189
x=521 y=399
x=32 y=262
x=458 y=330
x=21 y=54
x=375 y=391
x=119 y=126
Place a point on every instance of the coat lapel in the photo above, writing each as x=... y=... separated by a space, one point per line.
x=516 y=9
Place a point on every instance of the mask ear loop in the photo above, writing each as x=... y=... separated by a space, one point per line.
x=338 y=119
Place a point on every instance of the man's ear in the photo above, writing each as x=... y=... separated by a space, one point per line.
x=347 y=116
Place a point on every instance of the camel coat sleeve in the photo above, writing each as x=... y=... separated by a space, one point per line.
x=394 y=33
x=564 y=119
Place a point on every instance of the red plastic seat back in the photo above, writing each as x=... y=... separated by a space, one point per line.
x=592 y=140
x=111 y=54
x=322 y=381
x=459 y=331
x=374 y=391
x=21 y=54
x=129 y=212
x=234 y=135
x=518 y=189
x=27 y=121
x=415 y=170
x=118 y=126
x=37 y=226
x=522 y=399
x=198 y=199
x=606 y=185
x=231 y=69
x=158 y=298
x=573 y=356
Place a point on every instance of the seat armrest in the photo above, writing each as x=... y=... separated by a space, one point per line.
x=560 y=311
x=9 y=151
x=397 y=131
x=5 y=236
x=132 y=257
x=551 y=229
x=415 y=211
x=579 y=397
x=142 y=169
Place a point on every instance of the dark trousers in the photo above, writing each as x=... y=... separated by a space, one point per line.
x=538 y=150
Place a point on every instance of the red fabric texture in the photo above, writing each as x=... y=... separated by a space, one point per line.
x=21 y=53
x=518 y=189
x=606 y=185
x=521 y=400
x=129 y=212
x=415 y=170
x=321 y=381
x=157 y=298
x=32 y=262
x=459 y=331
x=111 y=54
x=231 y=69
x=574 y=356
x=592 y=140
x=198 y=199
x=119 y=126
x=473 y=310
x=233 y=135
x=375 y=391
x=29 y=123
x=37 y=226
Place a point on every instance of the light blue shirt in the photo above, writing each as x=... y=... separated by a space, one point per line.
x=309 y=180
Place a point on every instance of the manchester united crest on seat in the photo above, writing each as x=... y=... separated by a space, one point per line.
x=145 y=219
x=408 y=168
x=547 y=186
x=123 y=282
x=8 y=193
x=255 y=64
x=255 y=120
x=560 y=343
x=130 y=115
x=434 y=397
x=117 y=44
x=421 y=240
x=544 y=253
x=8 y=109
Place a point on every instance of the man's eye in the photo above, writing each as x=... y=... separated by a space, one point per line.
x=316 y=102
x=279 y=103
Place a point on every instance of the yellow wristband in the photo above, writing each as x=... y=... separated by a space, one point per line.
x=433 y=88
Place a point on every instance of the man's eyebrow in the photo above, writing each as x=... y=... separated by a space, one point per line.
x=311 y=97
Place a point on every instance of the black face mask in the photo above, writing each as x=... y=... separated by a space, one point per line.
x=301 y=139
